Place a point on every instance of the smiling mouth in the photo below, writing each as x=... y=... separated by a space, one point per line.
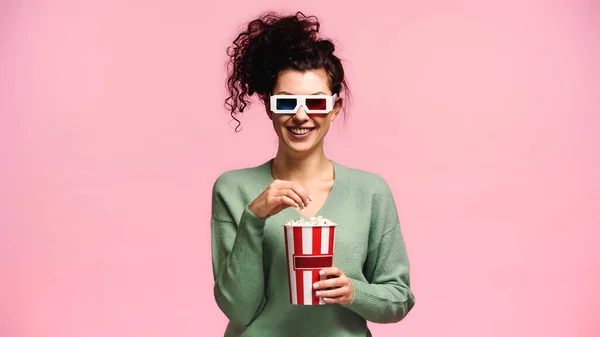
x=300 y=131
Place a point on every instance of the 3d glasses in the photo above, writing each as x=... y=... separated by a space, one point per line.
x=313 y=104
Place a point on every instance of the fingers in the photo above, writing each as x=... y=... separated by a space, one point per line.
x=283 y=202
x=344 y=300
x=341 y=291
x=338 y=289
x=291 y=195
x=335 y=278
x=278 y=196
x=332 y=271
x=287 y=201
x=331 y=283
x=298 y=190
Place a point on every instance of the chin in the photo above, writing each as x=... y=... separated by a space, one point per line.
x=299 y=148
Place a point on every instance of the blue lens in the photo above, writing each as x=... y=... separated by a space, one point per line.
x=286 y=103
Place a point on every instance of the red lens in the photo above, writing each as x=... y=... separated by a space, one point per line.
x=316 y=103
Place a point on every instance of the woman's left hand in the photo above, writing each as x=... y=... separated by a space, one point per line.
x=337 y=288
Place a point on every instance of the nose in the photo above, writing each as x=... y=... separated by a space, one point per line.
x=301 y=115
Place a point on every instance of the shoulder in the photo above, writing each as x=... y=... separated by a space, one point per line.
x=235 y=178
x=373 y=192
x=234 y=189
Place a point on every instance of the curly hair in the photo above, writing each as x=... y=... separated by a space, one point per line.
x=273 y=43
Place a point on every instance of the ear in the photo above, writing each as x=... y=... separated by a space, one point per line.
x=336 y=108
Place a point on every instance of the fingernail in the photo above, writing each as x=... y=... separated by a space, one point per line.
x=318 y=293
x=321 y=272
x=315 y=285
x=297 y=206
x=309 y=198
x=302 y=209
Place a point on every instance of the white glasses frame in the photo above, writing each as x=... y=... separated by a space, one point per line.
x=301 y=101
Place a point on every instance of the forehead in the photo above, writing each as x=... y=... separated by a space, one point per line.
x=302 y=82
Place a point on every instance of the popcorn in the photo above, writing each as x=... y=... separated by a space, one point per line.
x=312 y=221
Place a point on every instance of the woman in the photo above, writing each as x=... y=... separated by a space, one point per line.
x=300 y=81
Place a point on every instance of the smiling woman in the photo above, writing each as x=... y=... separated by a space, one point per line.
x=301 y=83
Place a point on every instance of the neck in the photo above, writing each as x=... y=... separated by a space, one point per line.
x=300 y=167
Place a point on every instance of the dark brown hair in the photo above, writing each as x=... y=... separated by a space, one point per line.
x=272 y=43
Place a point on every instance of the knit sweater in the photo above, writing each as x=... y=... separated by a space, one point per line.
x=249 y=258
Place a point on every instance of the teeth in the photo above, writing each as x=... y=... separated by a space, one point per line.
x=299 y=131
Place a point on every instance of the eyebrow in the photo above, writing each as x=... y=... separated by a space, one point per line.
x=287 y=93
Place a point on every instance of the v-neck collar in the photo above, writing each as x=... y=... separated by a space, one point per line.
x=337 y=170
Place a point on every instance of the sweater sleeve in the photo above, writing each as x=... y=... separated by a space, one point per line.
x=383 y=294
x=237 y=254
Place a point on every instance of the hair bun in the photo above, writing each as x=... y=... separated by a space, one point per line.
x=326 y=46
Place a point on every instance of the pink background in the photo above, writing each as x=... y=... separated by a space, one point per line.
x=483 y=118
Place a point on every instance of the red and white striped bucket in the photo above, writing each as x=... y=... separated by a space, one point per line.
x=309 y=248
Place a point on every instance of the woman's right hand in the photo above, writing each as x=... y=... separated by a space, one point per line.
x=280 y=195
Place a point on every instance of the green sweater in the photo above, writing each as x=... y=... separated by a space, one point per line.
x=249 y=259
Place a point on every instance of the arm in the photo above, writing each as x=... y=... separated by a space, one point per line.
x=385 y=296
x=237 y=260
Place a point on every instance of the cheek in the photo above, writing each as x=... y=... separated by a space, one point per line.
x=278 y=122
x=321 y=121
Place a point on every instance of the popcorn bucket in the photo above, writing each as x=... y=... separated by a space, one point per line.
x=309 y=248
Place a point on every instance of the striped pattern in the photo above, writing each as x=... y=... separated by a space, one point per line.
x=306 y=241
